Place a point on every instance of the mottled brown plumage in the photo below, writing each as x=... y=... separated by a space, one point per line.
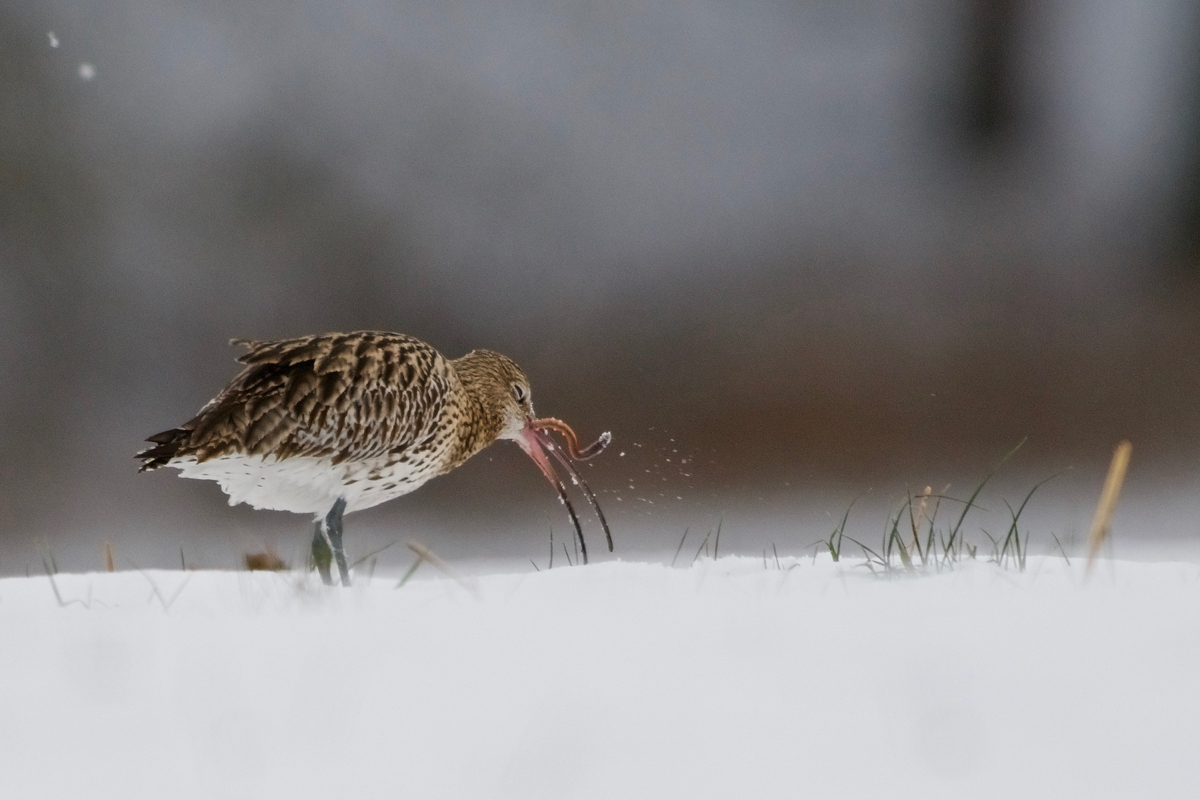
x=341 y=422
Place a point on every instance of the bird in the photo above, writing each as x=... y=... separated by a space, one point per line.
x=340 y=422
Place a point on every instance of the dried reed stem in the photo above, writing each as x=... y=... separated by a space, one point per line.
x=1102 y=522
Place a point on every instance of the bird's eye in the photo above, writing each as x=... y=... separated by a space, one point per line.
x=519 y=392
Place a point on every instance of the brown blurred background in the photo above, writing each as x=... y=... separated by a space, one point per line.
x=814 y=248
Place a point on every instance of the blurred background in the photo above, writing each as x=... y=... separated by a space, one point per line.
x=790 y=253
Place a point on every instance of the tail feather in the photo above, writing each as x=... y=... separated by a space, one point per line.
x=166 y=447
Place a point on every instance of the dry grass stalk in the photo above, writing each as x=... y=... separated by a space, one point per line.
x=920 y=517
x=108 y=556
x=426 y=555
x=1102 y=522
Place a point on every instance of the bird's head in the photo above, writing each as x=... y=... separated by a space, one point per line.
x=503 y=390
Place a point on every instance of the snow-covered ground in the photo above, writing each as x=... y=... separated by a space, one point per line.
x=617 y=680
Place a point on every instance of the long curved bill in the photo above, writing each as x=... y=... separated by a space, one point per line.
x=536 y=442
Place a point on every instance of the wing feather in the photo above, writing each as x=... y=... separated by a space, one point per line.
x=345 y=396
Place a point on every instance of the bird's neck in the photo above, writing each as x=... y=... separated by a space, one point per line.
x=479 y=421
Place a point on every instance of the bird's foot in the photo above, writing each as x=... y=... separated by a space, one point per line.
x=333 y=527
x=322 y=555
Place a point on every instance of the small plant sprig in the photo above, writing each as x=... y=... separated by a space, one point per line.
x=834 y=542
x=912 y=543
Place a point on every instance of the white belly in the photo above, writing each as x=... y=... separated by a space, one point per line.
x=304 y=484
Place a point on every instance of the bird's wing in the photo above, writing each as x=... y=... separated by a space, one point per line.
x=344 y=396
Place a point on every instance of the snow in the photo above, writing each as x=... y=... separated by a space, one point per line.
x=616 y=680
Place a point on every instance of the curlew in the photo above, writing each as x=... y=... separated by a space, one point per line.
x=327 y=425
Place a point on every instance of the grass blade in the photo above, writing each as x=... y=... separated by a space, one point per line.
x=971 y=501
x=682 y=539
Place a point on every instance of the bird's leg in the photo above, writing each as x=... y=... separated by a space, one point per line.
x=321 y=554
x=333 y=526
